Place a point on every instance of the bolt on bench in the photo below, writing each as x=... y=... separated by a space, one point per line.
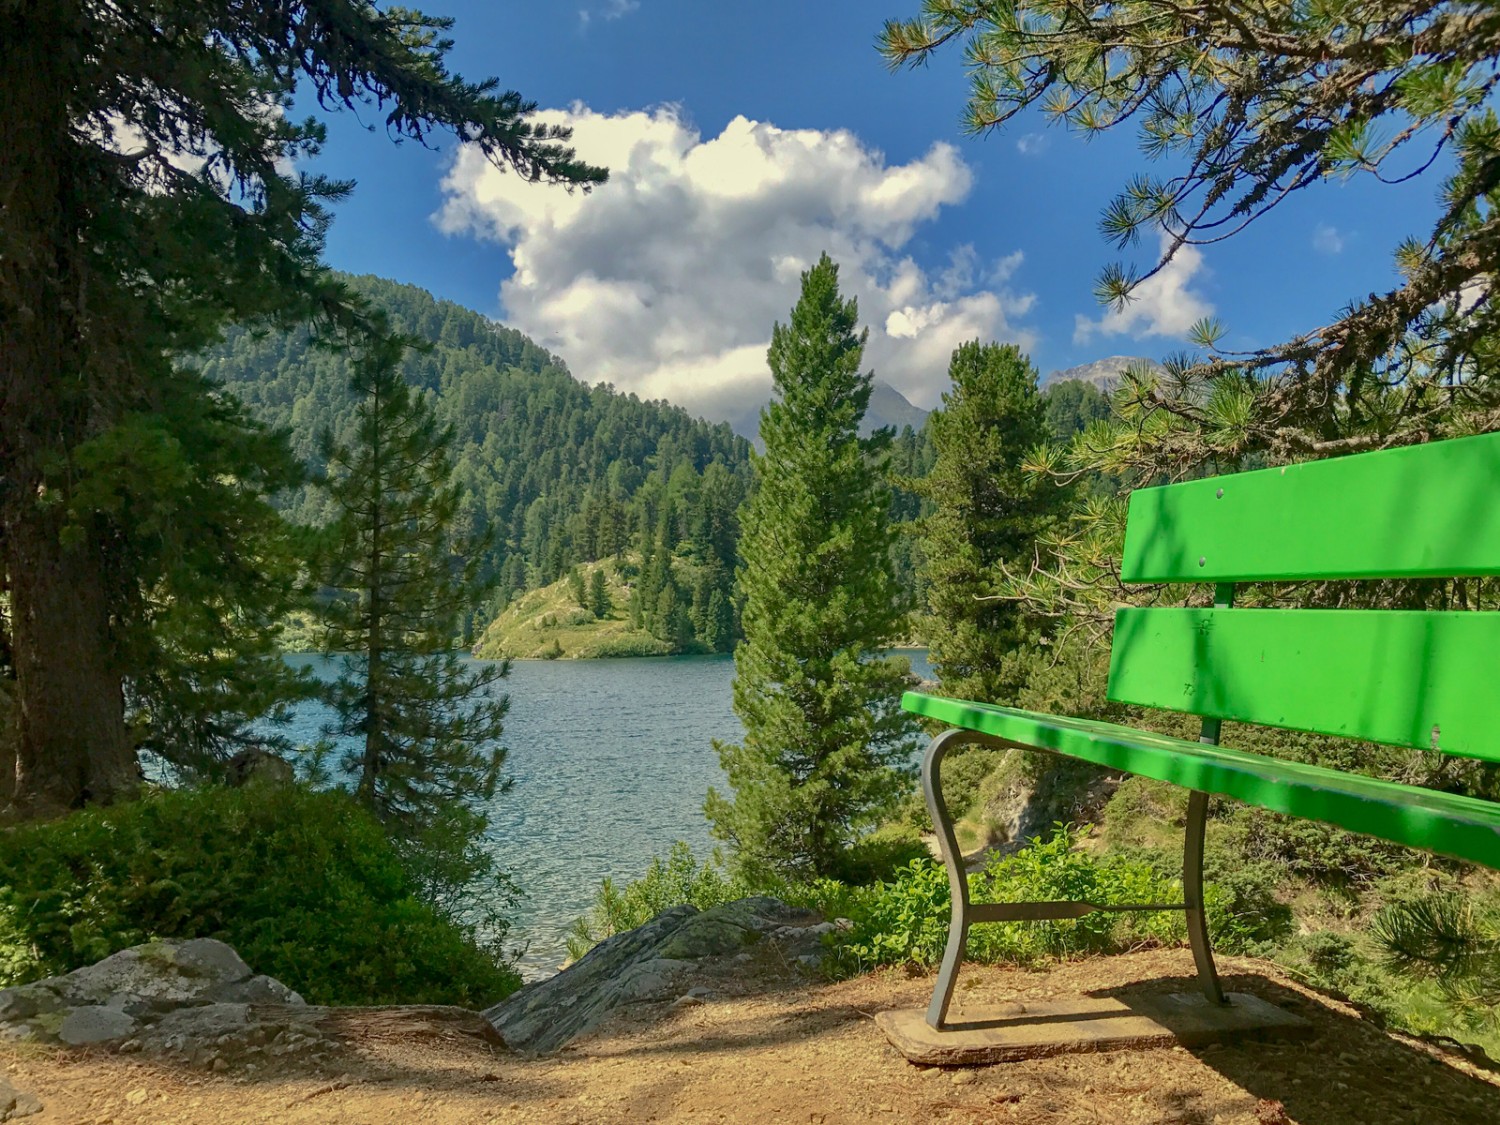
x=1420 y=679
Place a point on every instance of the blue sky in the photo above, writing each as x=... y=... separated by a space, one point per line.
x=744 y=139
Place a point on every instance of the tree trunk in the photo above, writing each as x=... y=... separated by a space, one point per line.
x=72 y=745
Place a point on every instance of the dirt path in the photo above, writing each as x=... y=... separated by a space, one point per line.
x=803 y=1053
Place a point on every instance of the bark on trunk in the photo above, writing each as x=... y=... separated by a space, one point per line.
x=72 y=745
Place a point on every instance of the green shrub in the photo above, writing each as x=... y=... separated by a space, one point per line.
x=905 y=921
x=304 y=885
x=1310 y=849
x=1334 y=962
x=679 y=880
x=880 y=855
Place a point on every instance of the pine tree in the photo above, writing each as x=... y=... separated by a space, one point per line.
x=428 y=725
x=214 y=570
x=1243 y=107
x=987 y=513
x=599 y=594
x=824 y=735
x=718 y=623
x=150 y=199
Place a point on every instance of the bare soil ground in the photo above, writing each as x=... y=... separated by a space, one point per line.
x=784 y=1050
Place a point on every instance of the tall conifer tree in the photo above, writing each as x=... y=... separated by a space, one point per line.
x=987 y=513
x=428 y=725
x=824 y=734
x=152 y=193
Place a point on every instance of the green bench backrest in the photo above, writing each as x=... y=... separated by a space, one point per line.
x=1418 y=679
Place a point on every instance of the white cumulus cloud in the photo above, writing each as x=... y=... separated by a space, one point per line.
x=666 y=280
x=1165 y=304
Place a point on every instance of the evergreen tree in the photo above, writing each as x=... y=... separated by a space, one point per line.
x=824 y=734
x=599 y=601
x=1074 y=405
x=987 y=513
x=718 y=622
x=428 y=724
x=210 y=573
x=1245 y=106
x=150 y=198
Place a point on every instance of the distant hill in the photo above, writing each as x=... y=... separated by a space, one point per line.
x=888 y=407
x=548 y=623
x=1102 y=373
x=559 y=473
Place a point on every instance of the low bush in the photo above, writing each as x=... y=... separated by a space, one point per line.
x=905 y=921
x=676 y=881
x=304 y=885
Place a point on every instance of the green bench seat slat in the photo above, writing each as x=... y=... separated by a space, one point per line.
x=1420 y=511
x=1407 y=678
x=1463 y=827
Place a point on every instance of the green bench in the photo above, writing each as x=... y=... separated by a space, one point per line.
x=1426 y=680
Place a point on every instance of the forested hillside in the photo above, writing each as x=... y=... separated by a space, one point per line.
x=557 y=472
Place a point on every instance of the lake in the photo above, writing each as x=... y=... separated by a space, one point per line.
x=611 y=761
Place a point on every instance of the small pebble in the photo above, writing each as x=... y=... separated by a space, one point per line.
x=964 y=1078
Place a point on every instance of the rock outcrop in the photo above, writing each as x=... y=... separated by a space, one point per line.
x=192 y=999
x=671 y=958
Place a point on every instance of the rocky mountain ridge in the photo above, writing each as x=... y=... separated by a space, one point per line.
x=1103 y=373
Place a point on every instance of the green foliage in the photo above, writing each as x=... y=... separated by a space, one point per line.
x=304 y=885
x=1074 y=405
x=1448 y=939
x=905 y=920
x=556 y=474
x=631 y=646
x=1246 y=105
x=156 y=155
x=1334 y=963
x=430 y=725
x=826 y=745
x=1310 y=849
x=986 y=514
x=208 y=569
x=677 y=881
x=599 y=602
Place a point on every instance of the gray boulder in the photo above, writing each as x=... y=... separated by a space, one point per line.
x=166 y=972
x=135 y=990
x=94 y=1024
x=652 y=964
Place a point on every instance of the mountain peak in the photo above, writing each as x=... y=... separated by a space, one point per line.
x=1102 y=373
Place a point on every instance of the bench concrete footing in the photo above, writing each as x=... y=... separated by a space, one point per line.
x=1033 y=1030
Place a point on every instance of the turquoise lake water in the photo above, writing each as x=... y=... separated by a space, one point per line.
x=611 y=761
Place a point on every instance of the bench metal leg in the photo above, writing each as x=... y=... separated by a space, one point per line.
x=1192 y=896
x=965 y=913
x=953 y=860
